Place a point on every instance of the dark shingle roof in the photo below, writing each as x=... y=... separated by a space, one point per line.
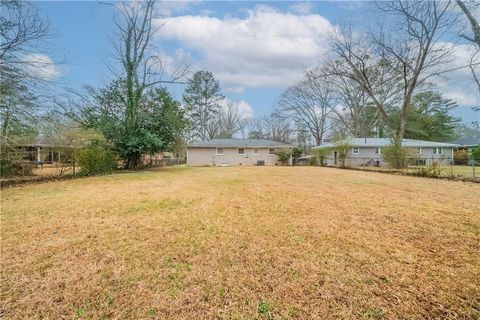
x=474 y=141
x=238 y=143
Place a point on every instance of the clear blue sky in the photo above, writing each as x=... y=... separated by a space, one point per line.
x=255 y=49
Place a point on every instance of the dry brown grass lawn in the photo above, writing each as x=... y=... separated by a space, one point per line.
x=242 y=243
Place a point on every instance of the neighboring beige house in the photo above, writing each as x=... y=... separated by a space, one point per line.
x=368 y=152
x=234 y=152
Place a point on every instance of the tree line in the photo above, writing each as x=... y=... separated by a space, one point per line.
x=375 y=82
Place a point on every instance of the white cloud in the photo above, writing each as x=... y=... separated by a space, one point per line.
x=302 y=7
x=267 y=48
x=167 y=8
x=41 y=66
x=242 y=106
x=458 y=85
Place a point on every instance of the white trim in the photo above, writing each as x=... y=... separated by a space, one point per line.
x=272 y=154
x=379 y=149
x=358 y=150
x=419 y=150
x=219 y=154
x=240 y=154
x=438 y=151
x=256 y=153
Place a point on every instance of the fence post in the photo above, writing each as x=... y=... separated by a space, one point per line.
x=473 y=168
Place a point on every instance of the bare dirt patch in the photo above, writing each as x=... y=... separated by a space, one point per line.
x=242 y=243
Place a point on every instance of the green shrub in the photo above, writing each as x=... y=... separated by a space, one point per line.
x=395 y=155
x=321 y=154
x=342 y=147
x=283 y=156
x=5 y=167
x=15 y=168
x=313 y=161
x=476 y=154
x=296 y=153
x=96 y=159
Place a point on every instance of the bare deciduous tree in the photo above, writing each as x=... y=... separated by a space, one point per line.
x=231 y=121
x=353 y=113
x=400 y=56
x=308 y=103
x=468 y=8
x=23 y=31
x=276 y=127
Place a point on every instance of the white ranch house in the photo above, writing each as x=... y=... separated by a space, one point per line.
x=368 y=151
x=218 y=152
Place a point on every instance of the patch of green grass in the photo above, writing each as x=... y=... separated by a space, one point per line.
x=175 y=277
x=295 y=273
x=265 y=309
x=152 y=312
x=293 y=312
x=80 y=313
x=376 y=313
x=367 y=280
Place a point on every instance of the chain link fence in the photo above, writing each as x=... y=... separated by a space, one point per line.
x=441 y=166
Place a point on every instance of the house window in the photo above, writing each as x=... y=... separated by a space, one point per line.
x=240 y=151
x=355 y=150
x=219 y=151
x=378 y=150
x=419 y=150
x=271 y=151
x=437 y=150
x=255 y=151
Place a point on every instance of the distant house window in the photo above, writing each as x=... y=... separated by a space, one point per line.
x=240 y=151
x=271 y=151
x=219 y=151
x=355 y=150
x=255 y=150
x=378 y=150
x=437 y=150
x=419 y=150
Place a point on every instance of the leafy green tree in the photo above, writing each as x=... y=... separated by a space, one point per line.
x=476 y=153
x=428 y=118
x=141 y=70
x=160 y=122
x=202 y=99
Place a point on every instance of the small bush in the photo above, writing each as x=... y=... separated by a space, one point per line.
x=313 y=161
x=96 y=159
x=395 y=155
x=432 y=171
x=296 y=153
x=321 y=154
x=460 y=156
x=15 y=168
x=283 y=156
x=476 y=154
x=5 y=167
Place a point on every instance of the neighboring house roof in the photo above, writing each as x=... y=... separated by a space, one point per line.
x=469 y=142
x=238 y=143
x=383 y=142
